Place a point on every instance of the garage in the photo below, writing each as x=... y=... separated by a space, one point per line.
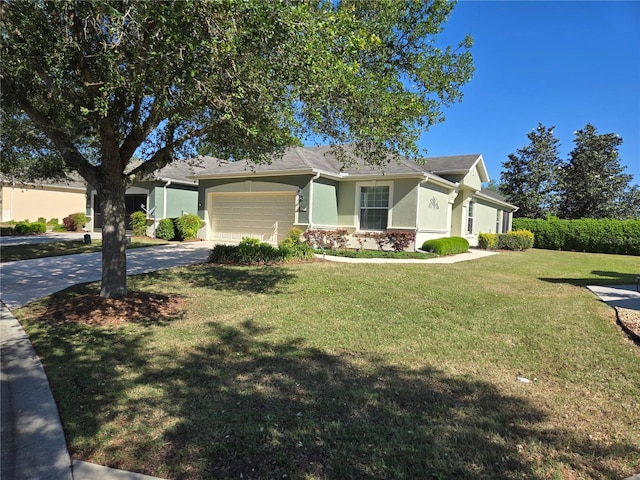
x=265 y=216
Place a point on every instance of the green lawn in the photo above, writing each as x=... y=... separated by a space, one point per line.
x=10 y=253
x=337 y=371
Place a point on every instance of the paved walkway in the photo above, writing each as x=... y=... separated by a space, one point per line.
x=620 y=296
x=470 y=255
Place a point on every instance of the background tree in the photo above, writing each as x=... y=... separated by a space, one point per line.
x=529 y=179
x=85 y=85
x=593 y=182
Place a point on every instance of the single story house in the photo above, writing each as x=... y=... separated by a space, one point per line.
x=309 y=188
x=49 y=199
x=168 y=193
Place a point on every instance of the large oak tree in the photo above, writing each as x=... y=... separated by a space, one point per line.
x=88 y=84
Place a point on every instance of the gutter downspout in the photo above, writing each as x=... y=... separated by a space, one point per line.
x=317 y=176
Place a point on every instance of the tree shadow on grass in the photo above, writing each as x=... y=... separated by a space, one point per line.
x=262 y=279
x=242 y=405
x=602 y=278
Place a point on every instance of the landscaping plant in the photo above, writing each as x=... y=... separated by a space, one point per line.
x=166 y=229
x=139 y=223
x=446 y=245
x=187 y=226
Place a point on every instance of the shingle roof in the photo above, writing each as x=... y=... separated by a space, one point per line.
x=452 y=164
x=313 y=159
x=73 y=180
x=495 y=196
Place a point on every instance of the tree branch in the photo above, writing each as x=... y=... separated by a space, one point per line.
x=71 y=155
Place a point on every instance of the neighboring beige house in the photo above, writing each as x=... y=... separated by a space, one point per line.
x=30 y=201
x=310 y=189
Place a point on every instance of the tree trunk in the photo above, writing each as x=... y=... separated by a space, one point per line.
x=114 y=253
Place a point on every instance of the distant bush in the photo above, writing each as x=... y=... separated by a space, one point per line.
x=516 y=240
x=293 y=248
x=187 y=226
x=328 y=239
x=398 y=241
x=75 y=221
x=139 y=223
x=224 y=254
x=29 y=228
x=446 y=246
x=585 y=235
x=7 y=231
x=42 y=220
x=52 y=222
x=165 y=229
x=487 y=241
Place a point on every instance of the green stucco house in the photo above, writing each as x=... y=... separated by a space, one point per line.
x=310 y=189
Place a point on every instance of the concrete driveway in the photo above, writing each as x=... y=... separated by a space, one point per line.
x=27 y=280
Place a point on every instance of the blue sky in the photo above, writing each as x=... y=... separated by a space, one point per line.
x=564 y=64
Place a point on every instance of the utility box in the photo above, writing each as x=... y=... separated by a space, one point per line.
x=87 y=239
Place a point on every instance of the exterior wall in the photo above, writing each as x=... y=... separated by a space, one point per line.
x=404 y=204
x=28 y=202
x=458 y=213
x=347 y=202
x=485 y=217
x=434 y=213
x=324 y=204
x=472 y=180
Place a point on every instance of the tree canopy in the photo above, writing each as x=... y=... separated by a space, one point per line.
x=529 y=178
x=86 y=85
x=590 y=184
x=594 y=184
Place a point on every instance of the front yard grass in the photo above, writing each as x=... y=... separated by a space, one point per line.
x=10 y=253
x=336 y=371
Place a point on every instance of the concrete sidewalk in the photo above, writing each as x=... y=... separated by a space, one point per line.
x=620 y=296
x=472 y=254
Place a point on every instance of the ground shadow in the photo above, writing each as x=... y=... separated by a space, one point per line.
x=242 y=405
x=602 y=278
x=263 y=279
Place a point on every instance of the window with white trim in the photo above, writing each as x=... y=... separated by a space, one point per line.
x=374 y=207
x=498 y=221
x=470 y=210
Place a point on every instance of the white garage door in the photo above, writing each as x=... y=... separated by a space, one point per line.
x=267 y=217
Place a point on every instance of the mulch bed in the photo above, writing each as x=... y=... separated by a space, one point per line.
x=629 y=320
x=135 y=307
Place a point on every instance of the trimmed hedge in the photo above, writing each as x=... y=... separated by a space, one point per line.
x=487 y=241
x=139 y=223
x=446 y=245
x=187 y=226
x=607 y=235
x=165 y=230
x=29 y=228
x=252 y=251
x=515 y=240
